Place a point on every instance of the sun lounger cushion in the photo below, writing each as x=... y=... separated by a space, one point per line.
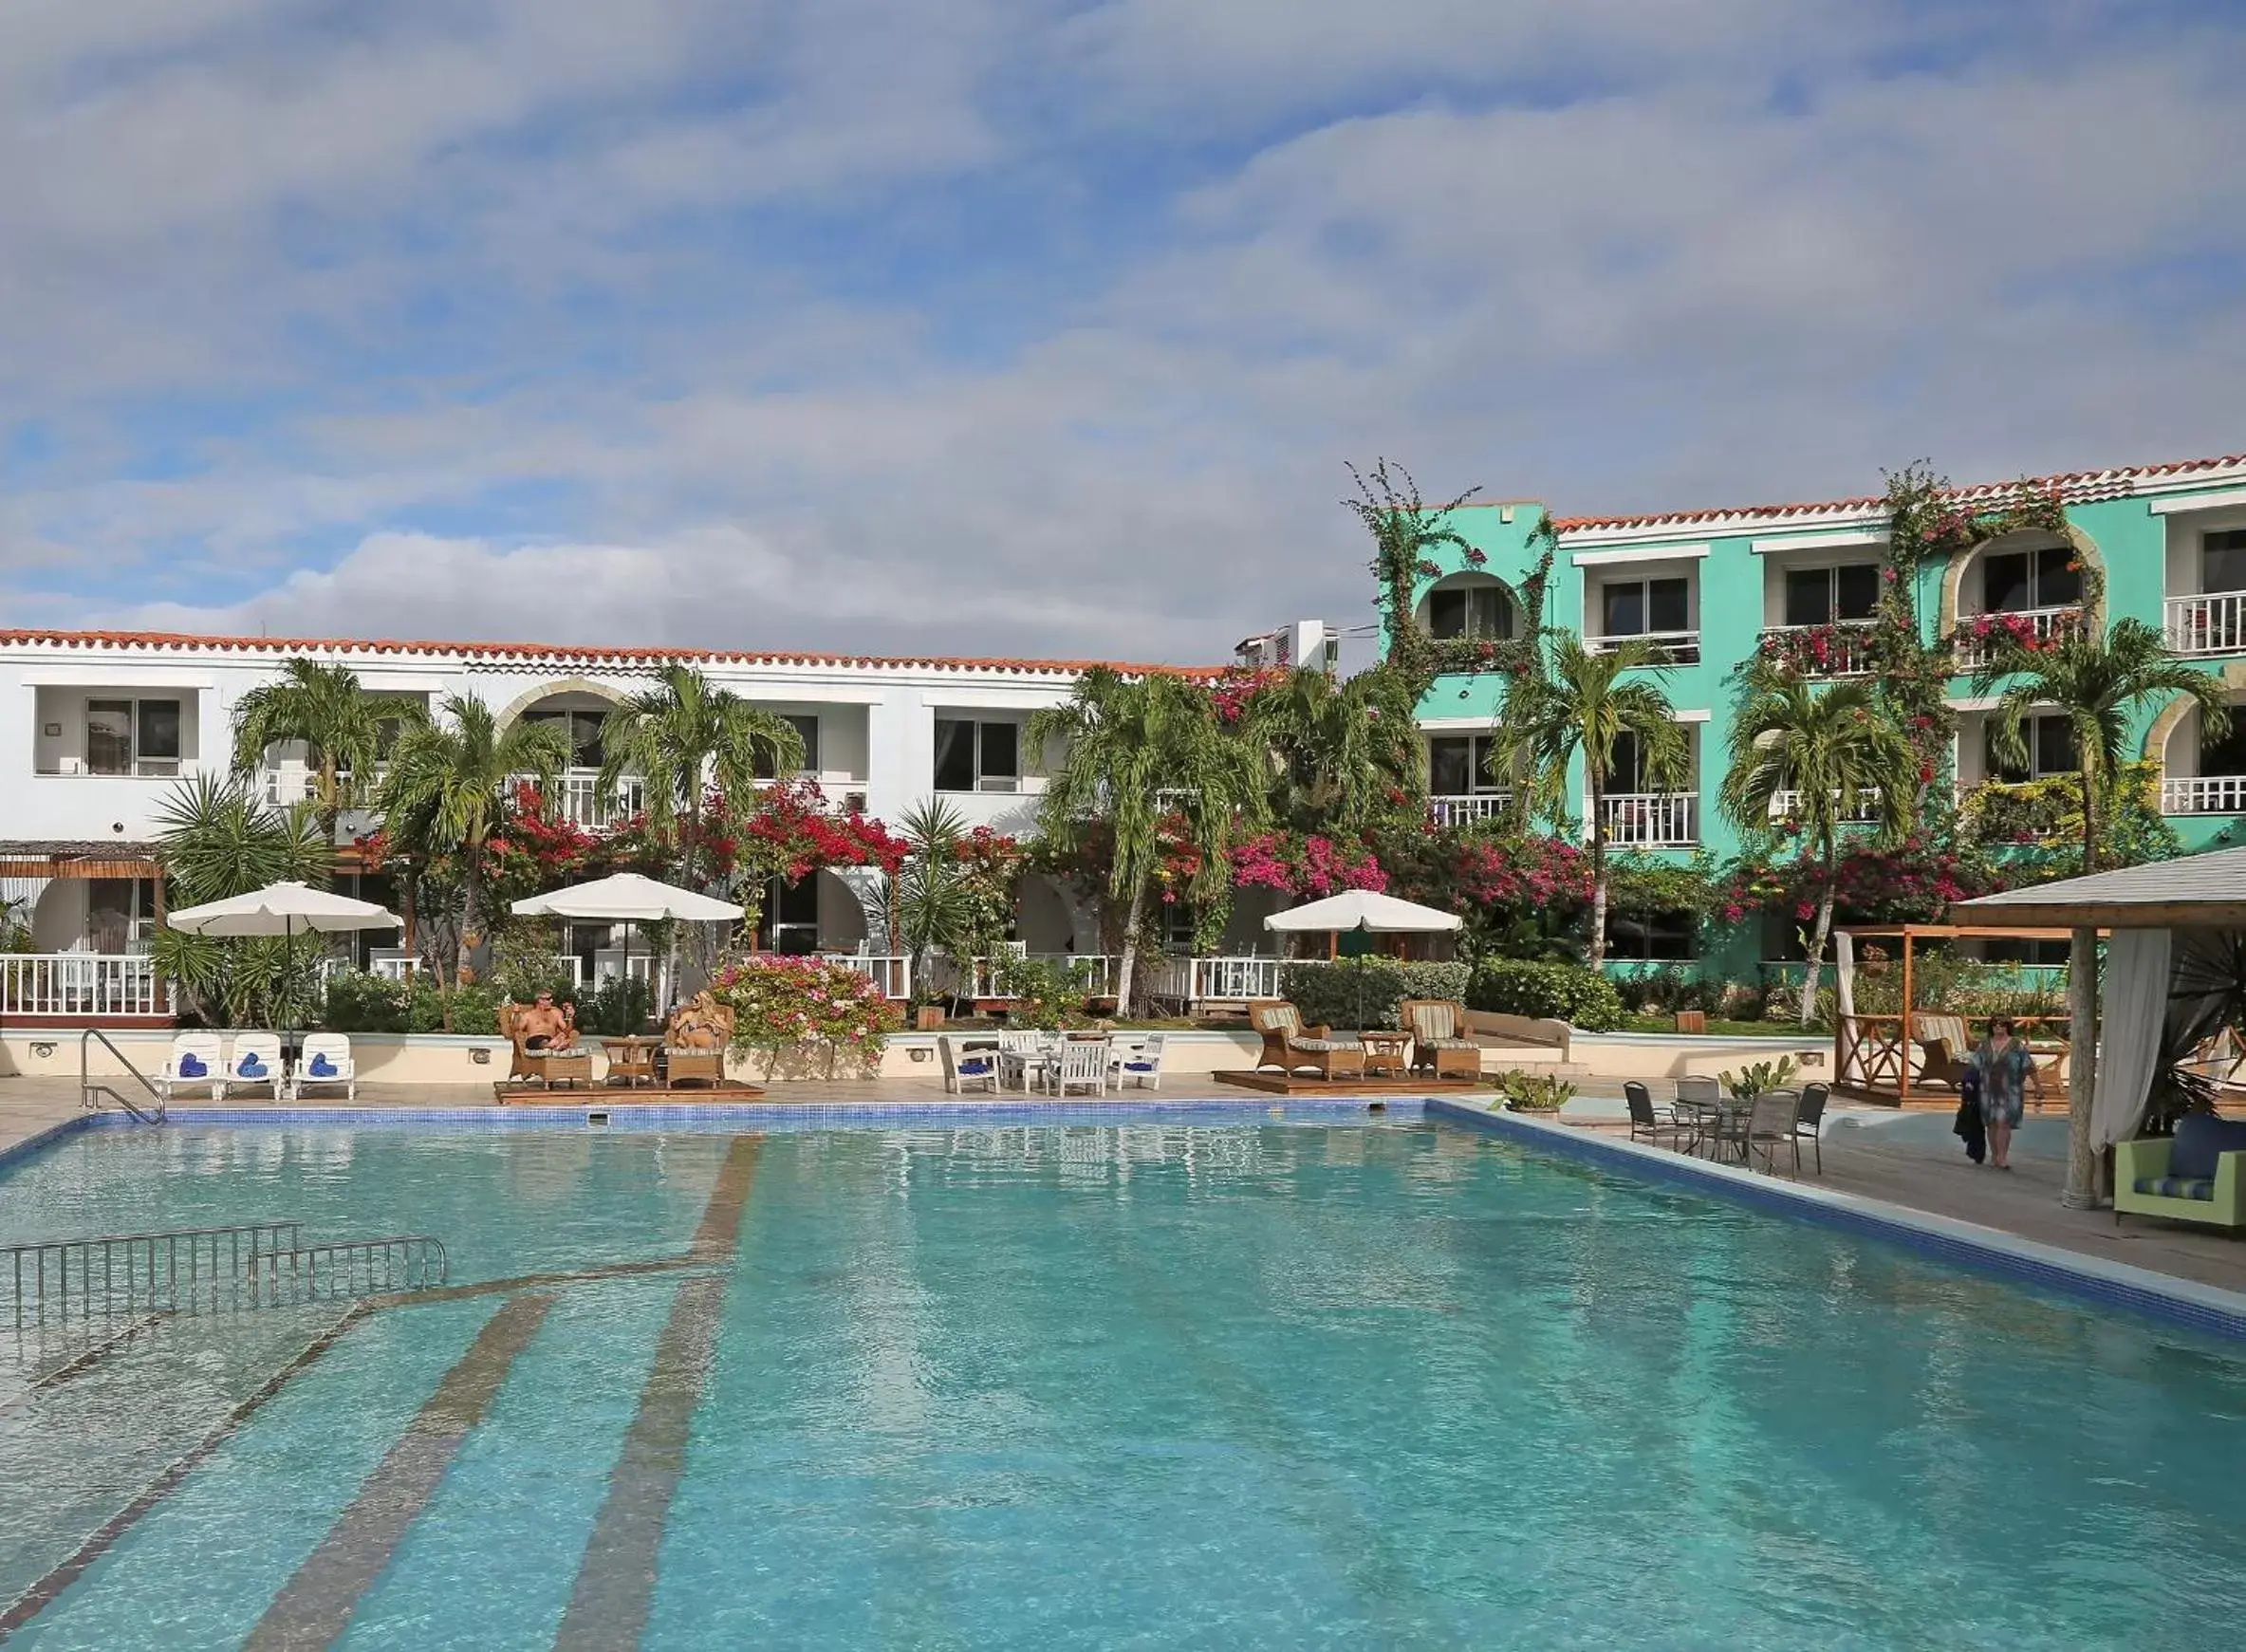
x=1446 y=1044
x=2177 y=1186
x=190 y=1066
x=2201 y=1138
x=975 y=1065
x=1324 y=1043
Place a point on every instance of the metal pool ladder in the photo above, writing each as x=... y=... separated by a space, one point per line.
x=253 y=1265
x=90 y=1093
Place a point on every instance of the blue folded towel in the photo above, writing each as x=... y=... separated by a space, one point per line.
x=1138 y=1067
x=249 y=1066
x=190 y=1066
x=321 y=1066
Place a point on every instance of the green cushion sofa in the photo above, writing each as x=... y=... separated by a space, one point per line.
x=2166 y=1176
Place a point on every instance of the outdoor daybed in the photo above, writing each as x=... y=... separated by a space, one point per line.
x=2199 y=1175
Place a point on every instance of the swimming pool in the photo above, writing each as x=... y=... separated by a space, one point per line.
x=1237 y=1385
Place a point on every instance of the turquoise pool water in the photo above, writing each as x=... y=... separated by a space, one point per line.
x=1211 y=1385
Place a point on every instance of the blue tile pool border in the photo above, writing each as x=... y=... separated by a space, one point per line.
x=2207 y=1308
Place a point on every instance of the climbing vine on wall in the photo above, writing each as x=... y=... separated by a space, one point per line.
x=1407 y=532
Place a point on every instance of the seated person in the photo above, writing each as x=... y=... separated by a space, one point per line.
x=547 y=1028
x=698 y=1025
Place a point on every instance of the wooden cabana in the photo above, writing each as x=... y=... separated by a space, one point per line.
x=1877 y=1053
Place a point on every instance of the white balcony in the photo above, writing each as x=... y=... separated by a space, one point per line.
x=1981 y=635
x=2204 y=794
x=1670 y=647
x=1464 y=809
x=1842 y=649
x=2214 y=623
x=979 y=978
x=66 y=985
x=1651 y=820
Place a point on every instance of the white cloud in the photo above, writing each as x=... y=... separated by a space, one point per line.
x=648 y=298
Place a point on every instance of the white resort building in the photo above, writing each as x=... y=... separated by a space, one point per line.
x=100 y=728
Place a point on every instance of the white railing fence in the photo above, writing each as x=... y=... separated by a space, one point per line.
x=891 y=972
x=1187 y=982
x=1465 y=808
x=1647 y=820
x=577 y=799
x=979 y=978
x=2204 y=794
x=2214 y=623
x=80 y=984
x=1867 y=804
x=1841 y=649
x=1976 y=650
x=1672 y=647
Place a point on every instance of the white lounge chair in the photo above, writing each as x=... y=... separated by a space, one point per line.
x=973 y=1067
x=256 y=1060
x=196 y=1058
x=1142 y=1066
x=327 y=1060
x=1081 y=1064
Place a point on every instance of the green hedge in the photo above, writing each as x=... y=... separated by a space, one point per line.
x=1360 y=992
x=1569 y=993
x=363 y=1003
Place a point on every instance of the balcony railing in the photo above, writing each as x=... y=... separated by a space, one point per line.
x=1464 y=809
x=2214 y=623
x=1650 y=820
x=1980 y=635
x=1841 y=649
x=1191 y=982
x=891 y=972
x=577 y=799
x=1671 y=647
x=979 y=978
x=80 y=984
x=2204 y=794
x=1867 y=804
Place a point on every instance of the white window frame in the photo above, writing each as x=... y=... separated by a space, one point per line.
x=137 y=765
x=1003 y=782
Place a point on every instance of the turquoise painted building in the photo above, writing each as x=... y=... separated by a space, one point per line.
x=1710 y=585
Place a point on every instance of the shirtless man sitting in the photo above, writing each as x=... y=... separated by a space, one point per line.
x=547 y=1028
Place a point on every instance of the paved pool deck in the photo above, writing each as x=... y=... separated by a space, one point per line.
x=1909 y=1160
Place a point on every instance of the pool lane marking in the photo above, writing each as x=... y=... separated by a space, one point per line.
x=42 y=1594
x=609 y=1605
x=314 y=1607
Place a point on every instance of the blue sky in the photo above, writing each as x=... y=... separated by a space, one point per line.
x=1002 y=327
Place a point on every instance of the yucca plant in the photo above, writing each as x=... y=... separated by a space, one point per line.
x=215 y=839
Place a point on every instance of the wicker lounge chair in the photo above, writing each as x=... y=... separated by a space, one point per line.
x=1291 y=1046
x=547 y=1067
x=1440 y=1044
x=695 y=1041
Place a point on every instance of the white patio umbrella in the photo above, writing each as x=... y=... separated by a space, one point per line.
x=285 y=910
x=629 y=898
x=1375 y=914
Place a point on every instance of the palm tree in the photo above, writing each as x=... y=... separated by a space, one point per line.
x=1833 y=750
x=1585 y=703
x=215 y=839
x=684 y=735
x=933 y=904
x=1138 y=749
x=2098 y=684
x=340 y=725
x=1341 y=753
x=448 y=787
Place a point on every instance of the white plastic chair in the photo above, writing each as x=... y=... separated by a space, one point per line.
x=977 y=1066
x=1082 y=1064
x=1143 y=1066
x=196 y=1058
x=327 y=1060
x=256 y=1060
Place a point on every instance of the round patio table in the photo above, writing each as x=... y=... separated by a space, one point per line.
x=631 y=1058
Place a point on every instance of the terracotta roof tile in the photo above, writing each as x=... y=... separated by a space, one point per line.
x=537 y=653
x=2077 y=486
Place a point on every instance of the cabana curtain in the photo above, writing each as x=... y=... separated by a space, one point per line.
x=2135 y=1025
